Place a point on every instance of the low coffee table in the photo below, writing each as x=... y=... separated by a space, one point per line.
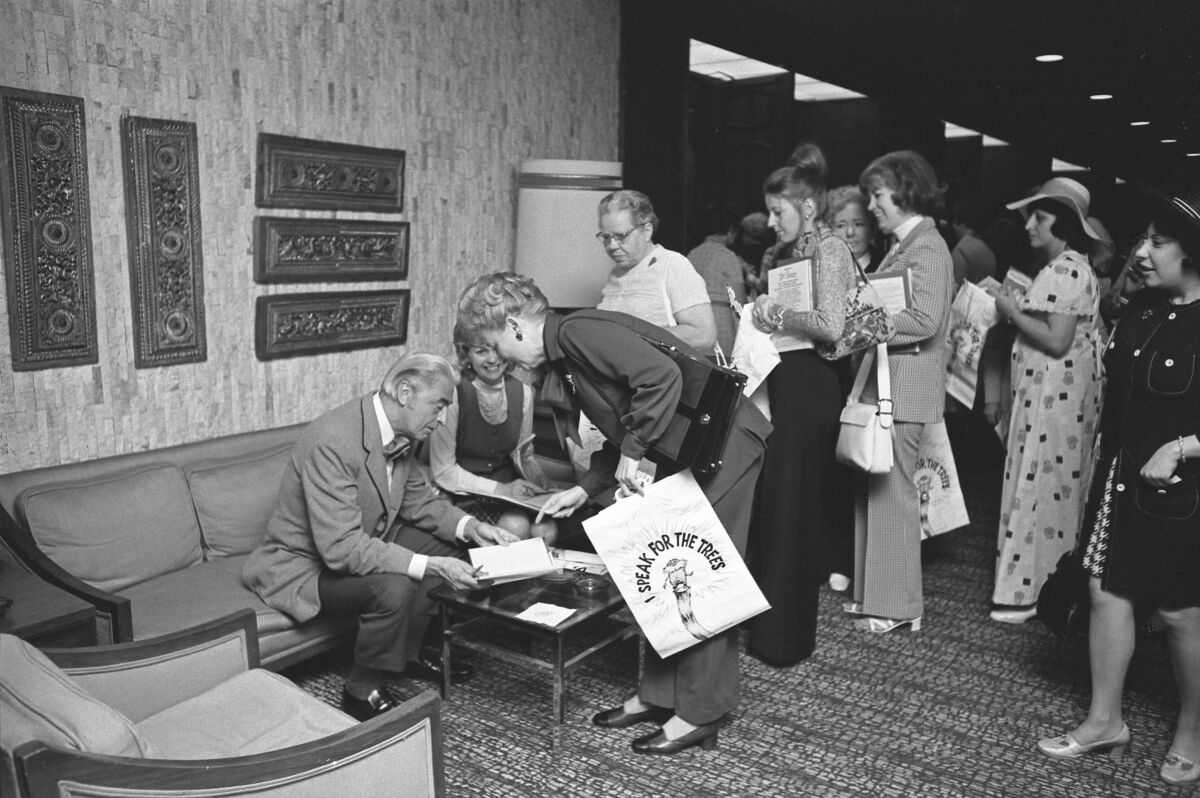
x=466 y=612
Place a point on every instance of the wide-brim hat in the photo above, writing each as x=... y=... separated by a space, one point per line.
x=1069 y=192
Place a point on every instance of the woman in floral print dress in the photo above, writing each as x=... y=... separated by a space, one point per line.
x=1056 y=390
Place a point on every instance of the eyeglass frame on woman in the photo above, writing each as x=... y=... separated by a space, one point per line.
x=606 y=238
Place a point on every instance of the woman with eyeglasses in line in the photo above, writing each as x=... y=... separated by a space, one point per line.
x=647 y=281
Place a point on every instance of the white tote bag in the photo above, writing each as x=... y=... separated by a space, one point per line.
x=936 y=478
x=674 y=564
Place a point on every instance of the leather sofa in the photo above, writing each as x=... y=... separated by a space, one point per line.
x=155 y=540
x=190 y=714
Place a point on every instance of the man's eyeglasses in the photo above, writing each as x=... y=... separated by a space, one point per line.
x=606 y=238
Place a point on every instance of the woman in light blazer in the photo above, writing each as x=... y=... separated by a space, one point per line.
x=903 y=192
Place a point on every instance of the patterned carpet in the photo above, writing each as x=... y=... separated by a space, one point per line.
x=954 y=710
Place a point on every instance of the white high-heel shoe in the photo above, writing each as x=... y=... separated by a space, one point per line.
x=1179 y=770
x=881 y=626
x=1067 y=747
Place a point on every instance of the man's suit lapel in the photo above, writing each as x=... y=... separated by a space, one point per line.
x=375 y=463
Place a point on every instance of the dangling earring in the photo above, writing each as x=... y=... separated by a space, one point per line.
x=520 y=336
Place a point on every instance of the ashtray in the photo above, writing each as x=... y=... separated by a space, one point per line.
x=590 y=583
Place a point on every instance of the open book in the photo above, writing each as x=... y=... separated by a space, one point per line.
x=520 y=560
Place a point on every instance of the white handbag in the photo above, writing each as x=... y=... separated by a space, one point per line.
x=865 y=438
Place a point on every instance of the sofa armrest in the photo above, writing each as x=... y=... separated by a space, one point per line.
x=141 y=678
x=114 y=613
x=398 y=753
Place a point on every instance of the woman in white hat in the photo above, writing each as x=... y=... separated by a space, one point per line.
x=1141 y=531
x=1055 y=397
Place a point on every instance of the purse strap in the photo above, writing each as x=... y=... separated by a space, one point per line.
x=883 y=381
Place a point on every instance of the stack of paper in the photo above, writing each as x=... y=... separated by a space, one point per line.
x=584 y=561
x=519 y=560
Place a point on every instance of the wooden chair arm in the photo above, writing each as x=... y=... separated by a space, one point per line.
x=398 y=753
x=143 y=677
x=114 y=614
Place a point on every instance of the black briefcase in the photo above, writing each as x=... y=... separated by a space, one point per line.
x=707 y=406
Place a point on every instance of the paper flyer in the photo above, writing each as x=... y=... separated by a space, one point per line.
x=754 y=354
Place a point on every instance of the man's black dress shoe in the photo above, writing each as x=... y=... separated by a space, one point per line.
x=618 y=718
x=376 y=703
x=428 y=666
x=657 y=743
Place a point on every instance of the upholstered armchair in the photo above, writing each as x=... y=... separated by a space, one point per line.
x=191 y=714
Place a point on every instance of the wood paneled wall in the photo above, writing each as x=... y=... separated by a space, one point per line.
x=468 y=89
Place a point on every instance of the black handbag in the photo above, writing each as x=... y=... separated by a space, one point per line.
x=1063 y=604
x=708 y=404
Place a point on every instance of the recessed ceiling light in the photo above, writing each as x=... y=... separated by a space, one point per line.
x=1168 y=141
x=1193 y=155
x=1048 y=58
x=1140 y=123
x=1100 y=97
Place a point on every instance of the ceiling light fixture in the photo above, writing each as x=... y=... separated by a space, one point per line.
x=1168 y=141
x=1100 y=97
x=1048 y=58
x=1193 y=155
x=1140 y=123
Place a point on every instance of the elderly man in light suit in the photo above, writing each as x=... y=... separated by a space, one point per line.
x=359 y=529
x=903 y=192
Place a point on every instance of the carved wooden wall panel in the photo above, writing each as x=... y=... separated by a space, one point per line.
x=162 y=217
x=328 y=250
x=287 y=325
x=304 y=173
x=47 y=230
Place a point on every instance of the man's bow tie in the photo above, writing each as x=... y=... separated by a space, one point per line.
x=397 y=448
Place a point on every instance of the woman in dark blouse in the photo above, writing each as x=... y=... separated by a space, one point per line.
x=629 y=389
x=1142 y=525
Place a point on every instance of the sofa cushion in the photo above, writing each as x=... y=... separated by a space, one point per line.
x=195 y=595
x=234 y=499
x=117 y=530
x=254 y=712
x=40 y=702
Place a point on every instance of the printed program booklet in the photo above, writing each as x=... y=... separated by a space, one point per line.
x=792 y=283
x=520 y=560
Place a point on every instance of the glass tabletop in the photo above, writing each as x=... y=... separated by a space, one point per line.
x=587 y=594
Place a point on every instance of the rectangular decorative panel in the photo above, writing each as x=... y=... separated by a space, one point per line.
x=162 y=217
x=47 y=230
x=304 y=173
x=287 y=325
x=328 y=250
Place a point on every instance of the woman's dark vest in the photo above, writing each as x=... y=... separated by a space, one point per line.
x=484 y=449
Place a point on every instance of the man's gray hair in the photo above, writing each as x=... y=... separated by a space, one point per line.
x=413 y=367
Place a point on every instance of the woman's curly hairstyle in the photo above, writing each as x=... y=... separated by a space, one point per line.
x=910 y=178
x=492 y=298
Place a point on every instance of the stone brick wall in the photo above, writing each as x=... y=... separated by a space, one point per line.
x=469 y=88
